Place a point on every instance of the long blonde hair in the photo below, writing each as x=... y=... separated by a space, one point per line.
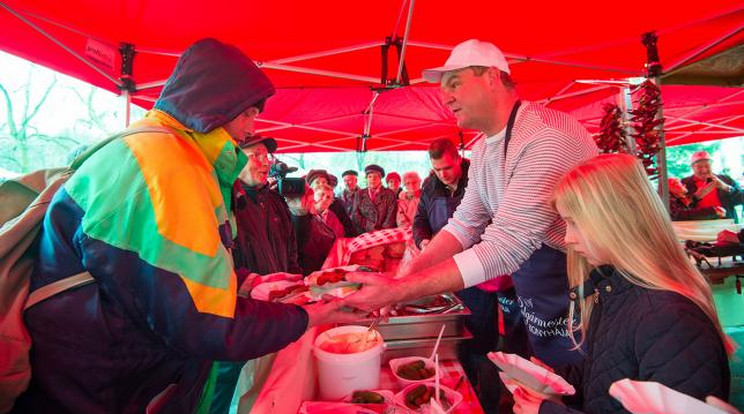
x=611 y=200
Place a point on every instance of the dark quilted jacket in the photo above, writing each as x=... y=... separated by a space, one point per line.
x=645 y=335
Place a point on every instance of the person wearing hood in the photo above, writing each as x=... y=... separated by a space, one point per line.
x=148 y=217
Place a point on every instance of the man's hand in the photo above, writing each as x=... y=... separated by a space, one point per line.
x=329 y=312
x=720 y=184
x=377 y=291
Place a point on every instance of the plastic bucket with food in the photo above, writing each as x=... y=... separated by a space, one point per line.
x=348 y=360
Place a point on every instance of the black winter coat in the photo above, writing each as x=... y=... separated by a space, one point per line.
x=645 y=335
x=314 y=241
x=437 y=204
x=265 y=241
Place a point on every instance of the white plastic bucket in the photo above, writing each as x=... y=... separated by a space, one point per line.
x=341 y=374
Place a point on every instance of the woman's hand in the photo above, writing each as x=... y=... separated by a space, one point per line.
x=526 y=401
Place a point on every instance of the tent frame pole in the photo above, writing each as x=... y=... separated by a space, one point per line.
x=402 y=61
x=677 y=66
x=60 y=44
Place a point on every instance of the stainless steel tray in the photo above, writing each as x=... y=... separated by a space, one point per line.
x=423 y=347
x=425 y=325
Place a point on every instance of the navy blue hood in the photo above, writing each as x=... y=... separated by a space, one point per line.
x=212 y=83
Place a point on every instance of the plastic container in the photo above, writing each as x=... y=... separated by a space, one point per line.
x=342 y=374
x=398 y=362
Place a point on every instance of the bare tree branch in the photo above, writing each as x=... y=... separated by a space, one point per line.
x=55 y=139
x=10 y=160
x=9 y=111
x=41 y=102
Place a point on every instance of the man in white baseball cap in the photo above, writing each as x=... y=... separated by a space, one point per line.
x=712 y=190
x=505 y=224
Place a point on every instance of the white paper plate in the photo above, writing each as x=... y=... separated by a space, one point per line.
x=262 y=291
x=531 y=375
x=653 y=398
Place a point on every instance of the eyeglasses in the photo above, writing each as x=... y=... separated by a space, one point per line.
x=262 y=156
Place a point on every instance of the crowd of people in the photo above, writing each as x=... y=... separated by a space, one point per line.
x=574 y=250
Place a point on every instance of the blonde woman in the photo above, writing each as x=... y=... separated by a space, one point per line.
x=640 y=308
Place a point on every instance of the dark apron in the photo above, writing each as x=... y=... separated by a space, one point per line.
x=541 y=284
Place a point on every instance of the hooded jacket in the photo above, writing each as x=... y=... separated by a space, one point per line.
x=148 y=217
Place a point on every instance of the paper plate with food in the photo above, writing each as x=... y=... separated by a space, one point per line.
x=417 y=397
x=283 y=291
x=370 y=397
x=333 y=281
x=329 y=407
x=413 y=370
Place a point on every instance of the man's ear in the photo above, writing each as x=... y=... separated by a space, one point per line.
x=251 y=112
x=494 y=76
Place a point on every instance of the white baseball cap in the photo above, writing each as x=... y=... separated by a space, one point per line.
x=699 y=156
x=471 y=52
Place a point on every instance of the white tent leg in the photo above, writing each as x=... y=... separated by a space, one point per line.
x=127 y=107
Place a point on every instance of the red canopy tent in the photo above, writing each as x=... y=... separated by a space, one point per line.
x=327 y=59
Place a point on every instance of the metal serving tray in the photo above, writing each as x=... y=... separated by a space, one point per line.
x=425 y=325
x=423 y=347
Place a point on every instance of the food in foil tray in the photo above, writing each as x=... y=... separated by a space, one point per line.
x=422 y=394
x=415 y=371
x=367 y=397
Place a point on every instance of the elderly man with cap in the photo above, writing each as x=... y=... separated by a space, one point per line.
x=351 y=187
x=393 y=182
x=375 y=207
x=505 y=224
x=318 y=178
x=712 y=190
x=265 y=242
x=146 y=219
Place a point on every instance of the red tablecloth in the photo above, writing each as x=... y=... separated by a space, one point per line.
x=451 y=374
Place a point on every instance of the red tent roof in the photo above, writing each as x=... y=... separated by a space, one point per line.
x=325 y=57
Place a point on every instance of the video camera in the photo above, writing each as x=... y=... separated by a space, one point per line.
x=287 y=187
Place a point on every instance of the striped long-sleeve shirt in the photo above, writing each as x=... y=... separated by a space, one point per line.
x=513 y=191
